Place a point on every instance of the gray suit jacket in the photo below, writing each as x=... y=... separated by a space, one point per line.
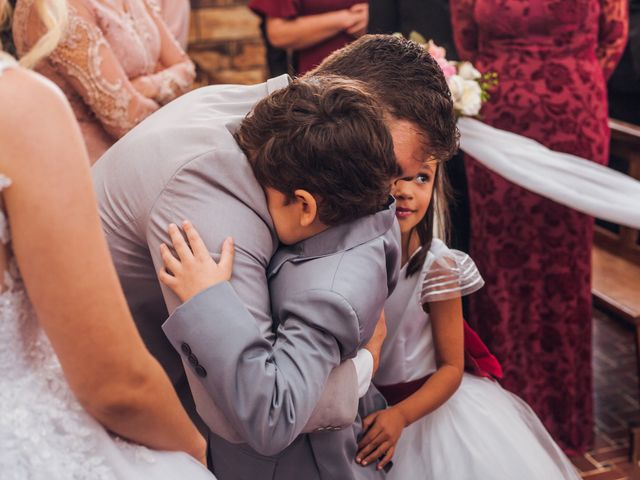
x=327 y=293
x=183 y=163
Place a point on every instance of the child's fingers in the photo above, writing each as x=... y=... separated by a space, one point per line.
x=198 y=247
x=387 y=457
x=370 y=433
x=366 y=447
x=226 y=256
x=377 y=453
x=168 y=280
x=181 y=247
x=368 y=421
x=170 y=262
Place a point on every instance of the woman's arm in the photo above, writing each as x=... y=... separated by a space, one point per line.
x=385 y=426
x=86 y=61
x=465 y=30
x=309 y=30
x=612 y=33
x=64 y=260
x=176 y=71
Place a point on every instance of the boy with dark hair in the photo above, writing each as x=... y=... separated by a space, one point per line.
x=325 y=135
x=322 y=153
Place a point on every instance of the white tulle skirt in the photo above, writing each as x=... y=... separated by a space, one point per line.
x=482 y=432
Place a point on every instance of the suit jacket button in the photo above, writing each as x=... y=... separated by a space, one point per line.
x=200 y=371
x=186 y=349
x=193 y=360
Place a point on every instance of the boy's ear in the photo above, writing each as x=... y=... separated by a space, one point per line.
x=308 y=207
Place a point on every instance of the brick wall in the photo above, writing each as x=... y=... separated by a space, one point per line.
x=225 y=42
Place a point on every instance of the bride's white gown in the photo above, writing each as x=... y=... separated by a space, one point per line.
x=44 y=432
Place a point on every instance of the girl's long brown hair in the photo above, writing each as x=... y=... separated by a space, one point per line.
x=437 y=215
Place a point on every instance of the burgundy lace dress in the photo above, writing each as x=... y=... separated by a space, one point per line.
x=552 y=58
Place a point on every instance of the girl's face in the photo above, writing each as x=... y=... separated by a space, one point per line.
x=413 y=196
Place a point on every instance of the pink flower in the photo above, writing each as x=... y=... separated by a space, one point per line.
x=440 y=56
x=447 y=68
x=435 y=51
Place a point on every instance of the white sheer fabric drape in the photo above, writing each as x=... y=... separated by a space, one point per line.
x=569 y=180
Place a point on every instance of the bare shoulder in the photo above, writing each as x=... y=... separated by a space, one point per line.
x=35 y=119
x=29 y=101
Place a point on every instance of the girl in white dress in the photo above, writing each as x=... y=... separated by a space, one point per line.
x=443 y=423
x=72 y=365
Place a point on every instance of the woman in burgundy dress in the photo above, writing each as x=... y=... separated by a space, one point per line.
x=552 y=58
x=312 y=28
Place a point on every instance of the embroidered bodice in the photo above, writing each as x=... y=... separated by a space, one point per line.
x=109 y=47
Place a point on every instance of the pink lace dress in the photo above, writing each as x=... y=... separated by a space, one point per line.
x=117 y=63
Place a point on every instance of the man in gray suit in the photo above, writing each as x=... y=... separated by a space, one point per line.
x=327 y=287
x=176 y=165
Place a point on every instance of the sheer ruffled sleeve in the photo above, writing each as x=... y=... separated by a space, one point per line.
x=612 y=33
x=177 y=71
x=448 y=274
x=465 y=30
x=276 y=8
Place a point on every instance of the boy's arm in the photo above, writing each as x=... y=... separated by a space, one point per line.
x=267 y=391
x=338 y=404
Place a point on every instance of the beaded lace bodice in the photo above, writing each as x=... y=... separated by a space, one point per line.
x=108 y=46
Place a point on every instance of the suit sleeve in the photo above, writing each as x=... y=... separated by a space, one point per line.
x=268 y=391
x=337 y=405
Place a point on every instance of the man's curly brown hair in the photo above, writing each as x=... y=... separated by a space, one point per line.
x=407 y=80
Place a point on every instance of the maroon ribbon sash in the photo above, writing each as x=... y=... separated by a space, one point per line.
x=478 y=360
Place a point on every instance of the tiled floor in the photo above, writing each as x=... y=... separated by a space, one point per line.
x=616 y=402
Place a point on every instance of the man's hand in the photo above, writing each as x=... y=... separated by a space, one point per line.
x=194 y=270
x=383 y=429
x=375 y=343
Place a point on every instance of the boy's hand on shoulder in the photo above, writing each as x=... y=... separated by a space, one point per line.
x=383 y=429
x=194 y=270
x=377 y=339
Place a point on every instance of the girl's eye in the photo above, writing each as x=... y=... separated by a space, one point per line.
x=422 y=178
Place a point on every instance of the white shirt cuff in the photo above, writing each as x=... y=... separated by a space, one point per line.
x=363 y=362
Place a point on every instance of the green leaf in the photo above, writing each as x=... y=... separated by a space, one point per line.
x=416 y=37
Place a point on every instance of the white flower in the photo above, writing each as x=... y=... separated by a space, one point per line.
x=466 y=95
x=468 y=72
x=471 y=101
x=456 y=85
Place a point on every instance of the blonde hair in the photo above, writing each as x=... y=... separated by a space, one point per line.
x=53 y=15
x=5 y=14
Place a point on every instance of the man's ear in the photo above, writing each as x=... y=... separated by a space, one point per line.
x=308 y=207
